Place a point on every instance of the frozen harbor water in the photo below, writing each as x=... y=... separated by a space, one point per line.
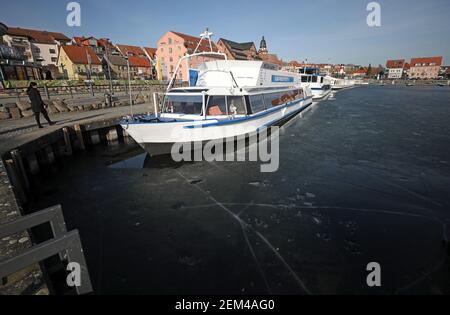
x=363 y=178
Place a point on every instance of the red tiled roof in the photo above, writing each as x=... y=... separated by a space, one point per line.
x=395 y=64
x=42 y=37
x=191 y=42
x=131 y=50
x=407 y=66
x=427 y=61
x=140 y=62
x=78 y=55
x=150 y=51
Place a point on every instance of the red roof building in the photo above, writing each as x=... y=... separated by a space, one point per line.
x=425 y=68
x=39 y=47
x=79 y=62
x=395 y=68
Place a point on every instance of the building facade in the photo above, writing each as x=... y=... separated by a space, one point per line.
x=80 y=63
x=425 y=68
x=172 y=46
x=141 y=66
x=395 y=68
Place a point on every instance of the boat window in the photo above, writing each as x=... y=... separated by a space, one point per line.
x=321 y=80
x=217 y=106
x=314 y=79
x=190 y=105
x=277 y=99
x=297 y=94
x=257 y=103
x=236 y=105
x=304 y=79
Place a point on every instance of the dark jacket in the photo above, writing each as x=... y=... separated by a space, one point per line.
x=37 y=104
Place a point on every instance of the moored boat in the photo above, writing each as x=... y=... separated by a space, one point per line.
x=229 y=99
x=320 y=86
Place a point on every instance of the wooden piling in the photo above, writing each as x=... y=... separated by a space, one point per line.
x=79 y=133
x=20 y=167
x=67 y=141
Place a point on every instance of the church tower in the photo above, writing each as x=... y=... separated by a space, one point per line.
x=263 y=47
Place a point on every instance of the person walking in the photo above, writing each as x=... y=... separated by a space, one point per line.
x=37 y=104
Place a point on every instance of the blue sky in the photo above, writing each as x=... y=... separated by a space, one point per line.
x=319 y=30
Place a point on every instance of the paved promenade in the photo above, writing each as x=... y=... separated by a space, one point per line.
x=14 y=133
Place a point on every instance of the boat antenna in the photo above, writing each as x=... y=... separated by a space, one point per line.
x=206 y=35
x=232 y=76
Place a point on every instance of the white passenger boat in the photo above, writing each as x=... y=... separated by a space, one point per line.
x=230 y=99
x=320 y=86
x=227 y=99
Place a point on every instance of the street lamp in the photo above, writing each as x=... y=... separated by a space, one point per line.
x=109 y=68
x=129 y=84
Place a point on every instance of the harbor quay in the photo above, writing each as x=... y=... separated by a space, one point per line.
x=50 y=143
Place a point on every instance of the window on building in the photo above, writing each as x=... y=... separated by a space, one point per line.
x=54 y=59
x=170 y=50
x=52 y=51
x=257 y=103
x=37 y=50
x=9 y=72
x=217 y=106
x=170 y=41
x=171 y=59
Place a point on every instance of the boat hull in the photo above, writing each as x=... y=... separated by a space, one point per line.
x=159 y=138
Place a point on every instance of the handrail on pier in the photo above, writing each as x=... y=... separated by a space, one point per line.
x=66 y=244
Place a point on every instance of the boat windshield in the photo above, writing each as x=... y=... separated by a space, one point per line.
x=184 y=104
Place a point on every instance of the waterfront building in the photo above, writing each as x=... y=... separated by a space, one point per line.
x=101 y=47
x=79 y=63
x=425 y=68
x=172 y=46
x=238 y=51
x=117 y=66
x=40 y=47
x=395 y=68
x=14 y=65
x=38 y=52
x=141 y=66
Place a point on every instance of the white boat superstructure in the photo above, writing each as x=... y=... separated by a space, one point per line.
x=339 y=84
x=320 y=86
x=229 y=99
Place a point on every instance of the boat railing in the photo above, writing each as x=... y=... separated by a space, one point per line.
x=186 y=58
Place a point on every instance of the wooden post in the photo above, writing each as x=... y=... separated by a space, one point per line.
x=46 y=91
x=68 y=142
x=14 y=177
x=18 y=161
x=79 y=133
